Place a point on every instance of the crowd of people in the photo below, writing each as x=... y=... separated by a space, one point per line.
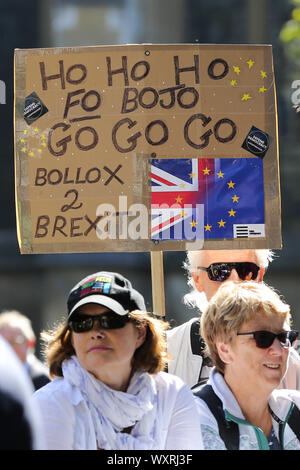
x=117 y=377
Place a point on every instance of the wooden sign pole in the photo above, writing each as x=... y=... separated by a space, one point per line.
x=158 y=286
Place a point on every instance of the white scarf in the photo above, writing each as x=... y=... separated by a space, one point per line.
x=112 y=410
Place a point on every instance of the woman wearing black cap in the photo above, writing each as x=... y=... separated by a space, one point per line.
x=109 y=391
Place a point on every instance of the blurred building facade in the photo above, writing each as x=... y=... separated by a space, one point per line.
x=37 y=285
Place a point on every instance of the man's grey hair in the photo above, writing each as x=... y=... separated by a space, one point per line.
x=193 y=258
x=16 y=319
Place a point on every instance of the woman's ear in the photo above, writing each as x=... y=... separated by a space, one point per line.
x=225 y=352
x=142 y=331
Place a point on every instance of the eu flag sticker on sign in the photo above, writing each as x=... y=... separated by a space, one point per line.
x=221 y=198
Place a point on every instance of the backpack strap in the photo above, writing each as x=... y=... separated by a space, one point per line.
x=293 y=421
x=228 y=430
x=197 y=342
x=198 y=345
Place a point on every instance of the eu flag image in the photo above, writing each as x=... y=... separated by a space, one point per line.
x=223 y=196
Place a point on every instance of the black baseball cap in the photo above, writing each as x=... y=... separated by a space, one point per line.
x=112 y=290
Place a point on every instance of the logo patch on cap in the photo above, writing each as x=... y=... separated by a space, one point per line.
x=99 y=285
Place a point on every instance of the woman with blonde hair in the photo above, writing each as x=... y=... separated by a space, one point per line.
x=109 y=390
x=246 y=328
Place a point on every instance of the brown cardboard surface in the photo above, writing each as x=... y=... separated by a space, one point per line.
x=106 y=112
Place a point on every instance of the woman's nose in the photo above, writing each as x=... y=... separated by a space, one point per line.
x=277 y=348
x=97 y=330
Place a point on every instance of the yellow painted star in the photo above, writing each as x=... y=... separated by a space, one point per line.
x=23 y=141
x=207 y=227
x=231 y=213
x=40 y=150
x=262 y=89
x=206 y=171
x=43 y=136
x=178 y=199
x=236 y=69
x=220 y=174
x=246 y=97
x=222 y=223
x=250 y=63
x=235 y=198
x=31 y=154
x=192 y=175
x=263 y=74
x=24 y=149
x=25 y=131
x=36 y=129
x=193 y=224
x=44 y=144
x=182 y=185
x=231 y=184
x=233 y=82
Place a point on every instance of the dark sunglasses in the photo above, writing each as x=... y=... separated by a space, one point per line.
x=265 y=339
x=108 y=321
x=221 y=271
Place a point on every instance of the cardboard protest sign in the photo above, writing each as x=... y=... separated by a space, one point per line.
x=146 y=148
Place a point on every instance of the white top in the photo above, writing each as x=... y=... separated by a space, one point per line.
x=251 y=437
x=15 y=382
x=183 y=362
x=68 y=424
x=187 y=365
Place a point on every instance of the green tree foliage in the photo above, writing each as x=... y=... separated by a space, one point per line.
x=290 y=34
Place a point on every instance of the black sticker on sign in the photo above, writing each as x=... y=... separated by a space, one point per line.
x=257 y=142
x=34 y=108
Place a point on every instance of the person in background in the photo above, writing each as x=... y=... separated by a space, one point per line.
x=108 y=389
x=207 y=270
x=17 y=330
x=20 y=422
x=246 y=327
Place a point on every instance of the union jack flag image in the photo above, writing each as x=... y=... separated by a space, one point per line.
x=216 y=198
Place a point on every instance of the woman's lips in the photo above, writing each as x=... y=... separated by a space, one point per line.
x=100 y=347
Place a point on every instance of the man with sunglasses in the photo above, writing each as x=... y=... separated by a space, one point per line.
x=207 y=270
